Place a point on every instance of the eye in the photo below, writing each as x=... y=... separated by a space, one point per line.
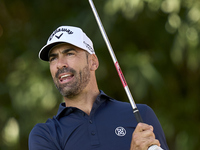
x=70 y=53
x=52 y=59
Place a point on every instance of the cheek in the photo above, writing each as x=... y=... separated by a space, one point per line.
x=52 y=70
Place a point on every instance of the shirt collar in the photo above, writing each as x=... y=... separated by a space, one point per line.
x=63 y=110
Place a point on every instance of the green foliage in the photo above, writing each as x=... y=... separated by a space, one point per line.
x=156 y=43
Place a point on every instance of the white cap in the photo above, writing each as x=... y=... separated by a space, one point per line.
x=67 y=34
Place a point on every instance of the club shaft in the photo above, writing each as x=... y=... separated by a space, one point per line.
x=105 y=37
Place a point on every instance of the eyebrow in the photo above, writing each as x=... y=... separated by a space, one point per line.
x=68 y=50
x=63 y=52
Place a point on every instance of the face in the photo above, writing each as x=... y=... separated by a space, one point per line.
x=70 y=69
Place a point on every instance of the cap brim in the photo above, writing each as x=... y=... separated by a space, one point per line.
x=44 y=52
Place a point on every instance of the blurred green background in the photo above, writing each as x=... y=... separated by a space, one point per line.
x=156 y=43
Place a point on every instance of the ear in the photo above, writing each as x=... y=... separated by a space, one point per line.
x=94 y=63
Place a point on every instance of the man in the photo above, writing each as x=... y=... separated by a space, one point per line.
x=88 y=119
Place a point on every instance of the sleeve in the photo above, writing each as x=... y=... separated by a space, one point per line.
x=40 y=139
x=149 y=117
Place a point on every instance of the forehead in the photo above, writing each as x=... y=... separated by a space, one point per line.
x=63 y=46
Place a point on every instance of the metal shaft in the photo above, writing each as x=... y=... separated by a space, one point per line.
x=112 y=55
x=105 y=37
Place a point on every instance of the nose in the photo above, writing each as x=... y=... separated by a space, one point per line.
x=61 y=63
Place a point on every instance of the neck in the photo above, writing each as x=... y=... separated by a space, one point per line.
x=84 y=101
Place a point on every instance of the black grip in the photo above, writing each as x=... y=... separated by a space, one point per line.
x=137 y=115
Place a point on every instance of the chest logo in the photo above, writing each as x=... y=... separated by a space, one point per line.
x=120 y=131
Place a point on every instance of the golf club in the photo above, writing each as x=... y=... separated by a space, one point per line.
x=135 y=109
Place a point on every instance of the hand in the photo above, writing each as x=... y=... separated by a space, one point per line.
x=143 y=137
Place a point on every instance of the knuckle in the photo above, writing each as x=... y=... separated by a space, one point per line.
x=139 y=125
x=151 y=133
x=157 y=142
x=137 y=143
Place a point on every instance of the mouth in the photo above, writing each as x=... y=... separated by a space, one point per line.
x=64 y=78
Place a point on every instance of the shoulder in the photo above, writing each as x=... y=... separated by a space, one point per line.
x=43 y=128
x=146 y=111
x=143 y=108
x=41 y=136
x=125 y=109
x=39 y=128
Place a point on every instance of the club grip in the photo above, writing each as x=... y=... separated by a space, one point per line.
x=139 y=119
x=137 y=115
x=155 y=147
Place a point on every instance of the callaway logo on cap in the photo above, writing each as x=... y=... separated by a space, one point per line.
x=67 y=34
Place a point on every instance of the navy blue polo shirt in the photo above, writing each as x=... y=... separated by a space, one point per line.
x=108 y=127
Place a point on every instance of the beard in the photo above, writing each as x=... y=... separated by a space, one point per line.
x=79 y=82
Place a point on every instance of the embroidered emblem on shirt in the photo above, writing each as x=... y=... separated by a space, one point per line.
x=120 y=131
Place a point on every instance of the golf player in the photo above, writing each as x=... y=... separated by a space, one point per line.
x=88 y=119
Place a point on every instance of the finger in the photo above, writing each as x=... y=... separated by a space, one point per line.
x=142 y=127
x=143 y=137
x=154 y=142
x=148 y=134
x=149 y=142
x=144 y=144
